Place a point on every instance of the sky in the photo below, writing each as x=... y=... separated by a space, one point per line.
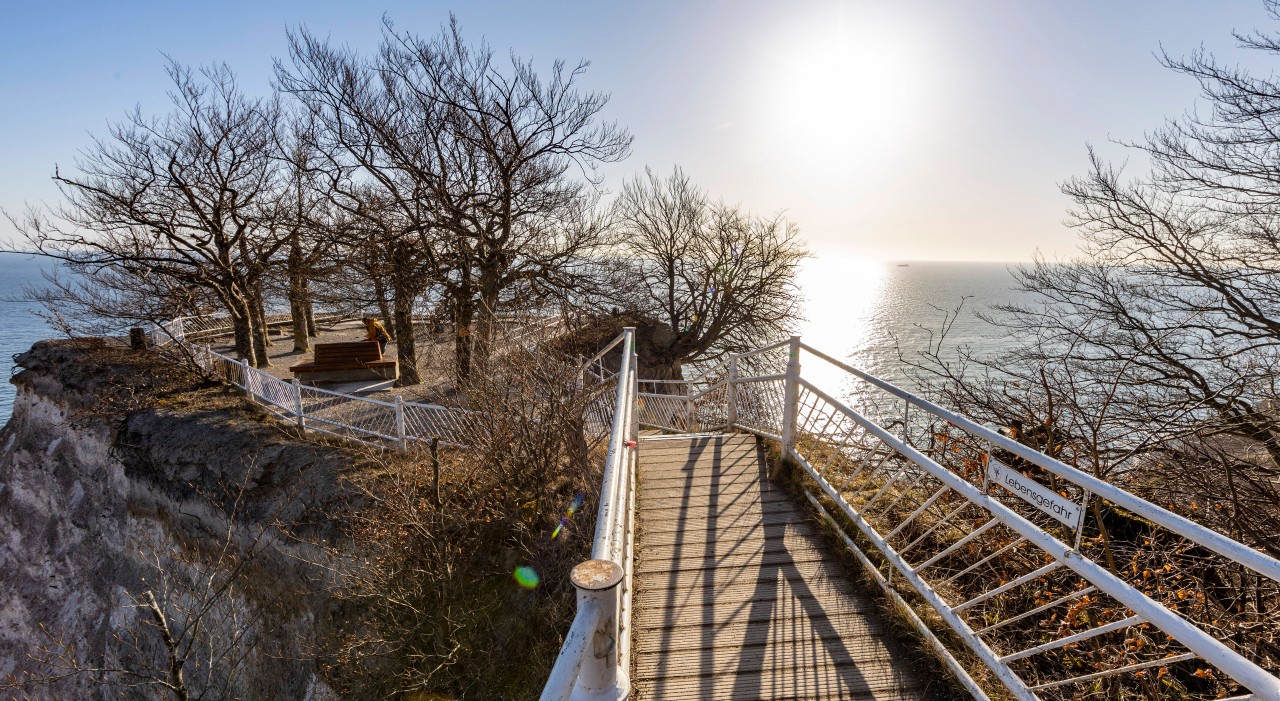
x=886 y=130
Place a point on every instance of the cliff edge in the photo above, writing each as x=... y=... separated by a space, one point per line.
x=124 y=480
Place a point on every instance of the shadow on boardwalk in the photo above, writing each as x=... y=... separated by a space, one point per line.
x=737 y=596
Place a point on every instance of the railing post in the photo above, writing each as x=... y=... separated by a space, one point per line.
x=244 y=378
x=791 y=395
x=178 y=331
x=731 y=403
x=635 y=393
x=297 y=403
x=689 y=413
x=400 y=434
x=599 y=678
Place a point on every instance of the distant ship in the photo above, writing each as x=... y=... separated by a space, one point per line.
x=904 y=265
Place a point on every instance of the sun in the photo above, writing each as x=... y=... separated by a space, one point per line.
x=844 y=91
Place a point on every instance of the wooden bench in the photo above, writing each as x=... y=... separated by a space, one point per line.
x=346 y=362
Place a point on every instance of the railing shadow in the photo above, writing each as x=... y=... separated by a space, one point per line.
x=784 y=637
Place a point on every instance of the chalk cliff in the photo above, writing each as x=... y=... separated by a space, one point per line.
x=119 y=477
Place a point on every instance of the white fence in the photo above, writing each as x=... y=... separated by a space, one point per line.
x=375 y=422
x=596 y=655
x=356 y=417
x=958 y=521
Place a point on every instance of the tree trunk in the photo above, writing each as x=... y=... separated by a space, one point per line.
x=298 y=314
x=298 y=298
x=486 y=319
x=464 y=314
x=242 y=328
x=402 y=316
x=380 y=293
x=310 y=308
x=258 y=324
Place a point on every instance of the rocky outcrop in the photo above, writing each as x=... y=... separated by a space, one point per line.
x=121 y=478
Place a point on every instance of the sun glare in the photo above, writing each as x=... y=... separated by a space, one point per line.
x=842 y=294
x=842 y=90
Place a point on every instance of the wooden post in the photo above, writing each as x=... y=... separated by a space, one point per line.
x=689 y=412
x=435 y=466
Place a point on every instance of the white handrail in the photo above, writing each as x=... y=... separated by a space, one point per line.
x=255 y=382
x=1219 y=543
x=768 y=405
x=1149 y=610
x=565 y=671
x=613 y=542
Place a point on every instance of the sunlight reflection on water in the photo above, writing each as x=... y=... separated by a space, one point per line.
x=857 y=309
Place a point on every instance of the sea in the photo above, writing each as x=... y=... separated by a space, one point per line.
x=859 y=310
x=872 y=314
x=20 y=324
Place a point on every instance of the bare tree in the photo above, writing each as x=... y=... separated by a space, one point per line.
x=514 y=141
x=311 y=224
x=470 y=167
x=1151 y=359
x=704 y=279
x=186 y=197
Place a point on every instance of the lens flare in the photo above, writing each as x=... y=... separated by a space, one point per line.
x=527 y=577
x=573 y=508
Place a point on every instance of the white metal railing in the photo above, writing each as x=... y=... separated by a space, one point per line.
x=355 y=417
x=596 y=655
x=192 y=330
x=958 y=520
x=364 y=419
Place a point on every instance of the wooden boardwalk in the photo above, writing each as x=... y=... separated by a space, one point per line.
x=736 y=596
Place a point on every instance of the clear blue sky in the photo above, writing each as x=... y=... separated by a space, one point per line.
x=896 y=130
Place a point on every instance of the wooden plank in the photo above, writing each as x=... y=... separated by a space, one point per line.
x=646 y=538
x=705 y=548
x=814 y=684
x=743 y=480
x=744 y=519
x=689 y=453
x=746 y=556
x=736 y=596
x=848 y=625
x=705 y=463
x=716 y=494
x=677 y=468
x=701 y=501
x=722 y=577
x=733 y=465
x=813 y=596
x=800 y=657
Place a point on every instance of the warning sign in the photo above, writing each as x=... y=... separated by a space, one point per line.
x=1034 y=493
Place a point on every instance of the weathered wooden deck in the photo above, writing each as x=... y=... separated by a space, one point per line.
x=736 y=597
